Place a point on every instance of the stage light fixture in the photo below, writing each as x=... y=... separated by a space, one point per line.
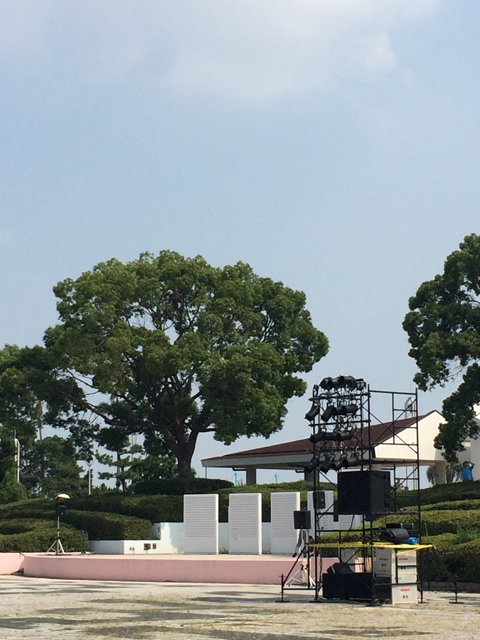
x=347 y=409
x=333 y=436
x=350 y=382
x=338 y=382
x=309 y=468
x=312 y=413
x=327 y=384
x=340 y=464
x=329 y=413
x=325 y=466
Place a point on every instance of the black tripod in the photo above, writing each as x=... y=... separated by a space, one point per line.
x=57 y=545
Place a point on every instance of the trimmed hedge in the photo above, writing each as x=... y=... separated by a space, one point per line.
x=109 y=526
x=435 y=523
x=440 y=493
x=34 y=536
x=33 y=508
x=180 y=486
x=464 y=505
x=459 y=562
x=152 y=508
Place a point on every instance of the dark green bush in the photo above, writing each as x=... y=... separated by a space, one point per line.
x=440 y=493
x=109 y=526
x=454 y=504
x=38 y=535
x=180 y=486
x=451 y=560
x=33 y=508
x=153 y=508
x=437 y=522
x=19 y=525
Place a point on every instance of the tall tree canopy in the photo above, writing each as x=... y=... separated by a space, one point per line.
x=443 y=326
x=171 y=347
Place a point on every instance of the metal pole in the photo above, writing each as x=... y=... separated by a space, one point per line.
x=17 y=456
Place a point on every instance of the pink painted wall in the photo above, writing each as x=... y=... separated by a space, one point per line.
x=10 y=562
x=208 y=569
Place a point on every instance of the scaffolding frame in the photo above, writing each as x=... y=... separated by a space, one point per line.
x=344 y=438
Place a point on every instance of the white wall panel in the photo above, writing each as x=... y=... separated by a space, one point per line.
x=245 y=523
x=200 y=516
x=283 y=536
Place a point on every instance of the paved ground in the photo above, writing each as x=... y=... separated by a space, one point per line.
x=40 y=609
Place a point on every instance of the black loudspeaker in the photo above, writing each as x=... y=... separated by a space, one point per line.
x=302 y=520
x=359 y=586
x=355 y=586
x=364 y=492
x=319 y=500
x=334 y=586
x=60 y=509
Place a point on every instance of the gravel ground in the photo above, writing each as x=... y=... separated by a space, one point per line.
x=52 y=609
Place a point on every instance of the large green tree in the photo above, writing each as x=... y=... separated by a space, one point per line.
x=171 y=347
x=443 y=327
x=51 y=467
x=34 y=395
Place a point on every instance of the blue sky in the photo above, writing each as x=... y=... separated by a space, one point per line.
x=332 y=145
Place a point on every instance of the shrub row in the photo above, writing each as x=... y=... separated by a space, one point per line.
x=34 y=536
x=180 y=486
x=454 y=504
x=435 y=523
x=109 y=526
x=440 y=493
x=33 y=508
x=451 y=560
x=153 y=508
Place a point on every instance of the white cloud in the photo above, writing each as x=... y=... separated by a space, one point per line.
x=243 y=49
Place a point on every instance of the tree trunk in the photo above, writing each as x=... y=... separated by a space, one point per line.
x=184 y=459
x=185 y=467
x=183 y=449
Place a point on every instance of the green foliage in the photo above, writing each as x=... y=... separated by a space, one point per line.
x=445 y=521
x=7 y=456
x=455 y=560
x=109 y=526
x=35 y=508
x=178 y=348
x=35 y=535
x=453 y=473
x=180 y=486
x=117 y=440
x=19 y=406
x=153 y=468
x=153 y=508
x=33 y=395
x=466 y=534
x=463 y=505
x=11 y=490
x=440 y=493
x=50 y=467
x=443 y=327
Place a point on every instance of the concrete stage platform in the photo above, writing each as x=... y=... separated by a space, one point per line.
x=227 y=569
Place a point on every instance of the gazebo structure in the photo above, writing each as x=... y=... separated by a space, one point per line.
x=394 y=442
